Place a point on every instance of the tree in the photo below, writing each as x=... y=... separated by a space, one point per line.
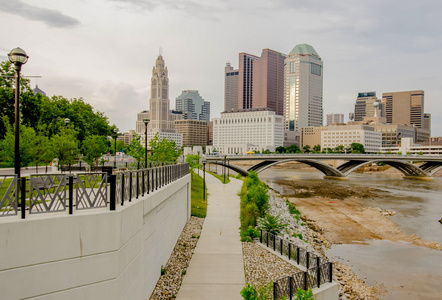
x=317 y=148
x=293 y=149
x=93 y=148
x=306 y=149
x=193 y=161
x=136 y=150
x=163 y=150
x=42 y=150
x=357 y=148
x=280 y=149
x=339 y=149
x=7 y=146
x=65 y=148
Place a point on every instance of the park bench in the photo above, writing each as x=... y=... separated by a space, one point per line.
x=41 y=182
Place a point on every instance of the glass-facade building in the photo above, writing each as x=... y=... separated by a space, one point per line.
x=193 y=106
x=303 y=73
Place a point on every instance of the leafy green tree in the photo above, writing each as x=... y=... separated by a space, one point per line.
x=7 y=146
x=42 y=150
x=293 y=149
x=93 y=148
x=357 y=148
x=339 y=149
x=280 y=149
x=193 y=161
x=272 y=224
x=317 y=148
x=266 y=151
x=163 y=150
x=65 y=148
x=306 y=149
x=136 y=150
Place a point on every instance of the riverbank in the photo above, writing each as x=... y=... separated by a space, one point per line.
x=352 y=222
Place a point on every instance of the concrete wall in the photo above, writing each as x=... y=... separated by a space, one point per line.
x=96 y=253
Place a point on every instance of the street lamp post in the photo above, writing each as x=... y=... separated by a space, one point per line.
x=204 y=180
x=146 y=122
x=18 y=57
x=115 y=147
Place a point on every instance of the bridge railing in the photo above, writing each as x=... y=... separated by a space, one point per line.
x=49 y=193
x=318 y=269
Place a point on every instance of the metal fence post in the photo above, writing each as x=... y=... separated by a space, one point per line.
x=23 y=195
x=260 y=236
x=307 y=259
x=282 y=245
x=130 y=186
x=305 y=281
x=267 y=239
x=274 y=242
x=148 y=180
x=275 y=294
x=318 y=275
x=123 y=185
x=113 y=187
x=71 y=194
x=156 y=183
x=142 y=184
x=297 y=255
x=290 y=251
x=138 y=185
x=290 y=287
x=330 y=264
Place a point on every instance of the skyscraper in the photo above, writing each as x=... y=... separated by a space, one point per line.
x=302 y=91
x=160 y=117
x=405 y=108
x=268 y=81
x=193 y=106
x=257 y=83
x=364 y=106
x=230 y=88
x=245 y=80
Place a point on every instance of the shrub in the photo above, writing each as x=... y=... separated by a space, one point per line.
x=304 y=295
x=272 y=224
x=249 y=292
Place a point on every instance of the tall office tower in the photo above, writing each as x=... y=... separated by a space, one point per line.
x=302 y=91
x=230 y=88
x=335 y=118
x=159 y=99
x=245 y=80
x=268 y=81
x=139 y=124
x=405 y=107
x=364 y=106
x=193 y=106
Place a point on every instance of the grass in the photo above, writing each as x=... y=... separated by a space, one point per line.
x=220 y=177
x=198 y=204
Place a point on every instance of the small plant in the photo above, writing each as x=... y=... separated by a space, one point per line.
x=272 y=224
x=249 y=234
x=163 y=271
x=184 y=272
x=249 y=292
x=304 y=295
x=297 y=235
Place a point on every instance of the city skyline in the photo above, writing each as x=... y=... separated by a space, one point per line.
x=80 y=49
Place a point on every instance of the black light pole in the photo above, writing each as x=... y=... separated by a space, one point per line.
x=146 y=122
x=115 y=141
x=204 y=180
x=224 y=168
x=66 y=121
x=18 y=57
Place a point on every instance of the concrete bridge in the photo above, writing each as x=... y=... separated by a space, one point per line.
x=404 y=163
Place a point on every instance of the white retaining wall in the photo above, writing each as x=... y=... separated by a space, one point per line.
x=95 y=253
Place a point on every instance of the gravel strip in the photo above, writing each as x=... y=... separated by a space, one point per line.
x=262 y=267
x=169 y=284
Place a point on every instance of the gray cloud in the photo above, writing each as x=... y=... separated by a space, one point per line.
x=50 y=17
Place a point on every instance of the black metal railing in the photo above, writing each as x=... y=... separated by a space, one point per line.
x=319 y=270
x=43 y=193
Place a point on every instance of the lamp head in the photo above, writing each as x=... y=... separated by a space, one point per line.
x=146 y=121
x=66 y=121
x=18 y=56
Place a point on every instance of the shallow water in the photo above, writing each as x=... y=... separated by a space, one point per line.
x=407 y=271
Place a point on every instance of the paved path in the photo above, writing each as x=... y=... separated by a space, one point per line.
x=216 y=270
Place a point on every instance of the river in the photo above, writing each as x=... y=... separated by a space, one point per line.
x=405 y=270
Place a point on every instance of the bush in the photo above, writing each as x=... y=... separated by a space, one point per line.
x=304 y=295
x=272 y=224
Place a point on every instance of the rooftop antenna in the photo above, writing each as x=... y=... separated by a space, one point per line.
x=161 y=51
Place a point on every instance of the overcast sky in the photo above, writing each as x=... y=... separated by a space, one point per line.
x=104 y=50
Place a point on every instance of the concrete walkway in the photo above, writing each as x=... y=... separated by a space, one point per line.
x=216 y=270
